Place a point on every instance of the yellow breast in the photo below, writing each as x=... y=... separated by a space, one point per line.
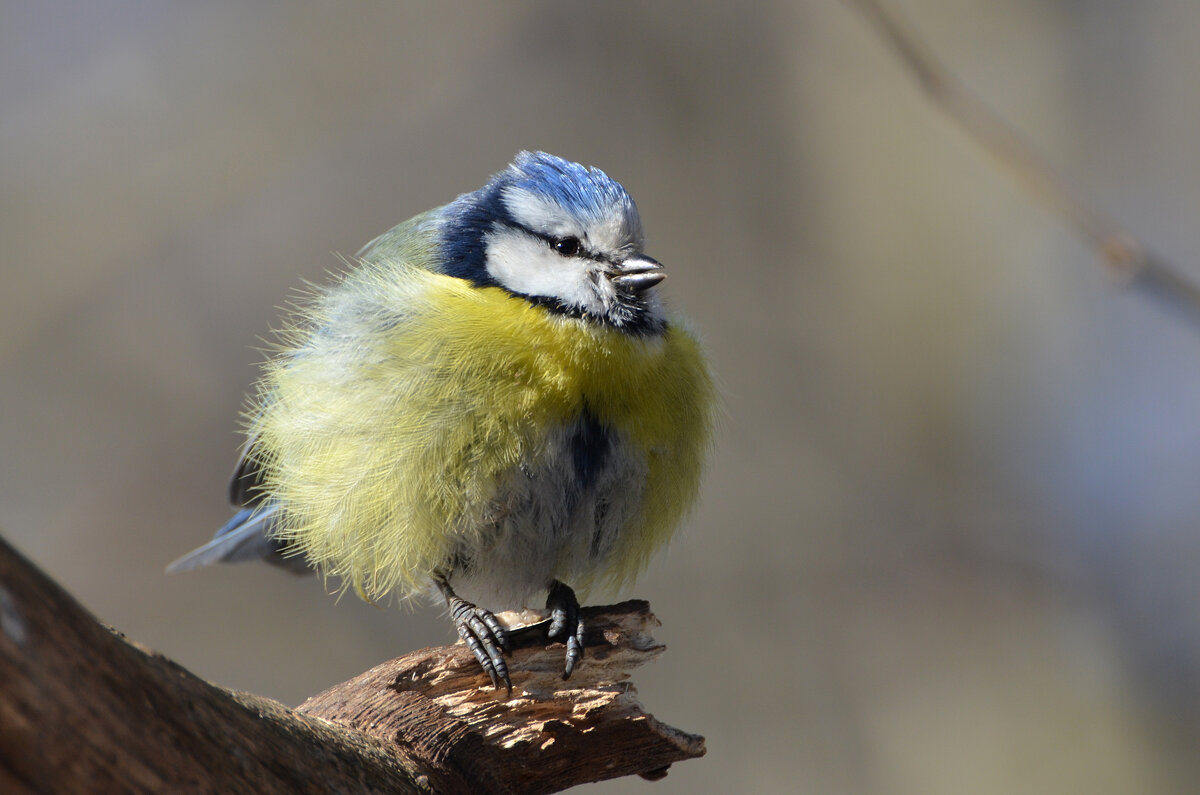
x=383 y=433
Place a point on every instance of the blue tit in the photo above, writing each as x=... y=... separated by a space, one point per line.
x=491 y=400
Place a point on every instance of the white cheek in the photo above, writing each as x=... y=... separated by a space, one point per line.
x=526 y=265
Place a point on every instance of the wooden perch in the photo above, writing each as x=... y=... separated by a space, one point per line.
x=84 y=710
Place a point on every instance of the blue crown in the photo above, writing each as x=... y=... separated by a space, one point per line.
x=586 y=192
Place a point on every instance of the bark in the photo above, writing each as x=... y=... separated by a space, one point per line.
x=82 y=709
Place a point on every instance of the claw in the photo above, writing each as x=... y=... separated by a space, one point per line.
x=565 y=623
x=482 y=633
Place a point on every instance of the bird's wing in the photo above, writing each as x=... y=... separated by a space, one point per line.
x=245 y=485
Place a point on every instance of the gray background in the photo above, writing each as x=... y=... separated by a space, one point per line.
x=950 y=536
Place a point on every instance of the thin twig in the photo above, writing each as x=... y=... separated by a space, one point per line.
x=1116 y=248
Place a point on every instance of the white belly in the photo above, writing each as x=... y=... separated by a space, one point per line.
x=560 y=515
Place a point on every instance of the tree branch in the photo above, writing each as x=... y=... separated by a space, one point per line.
x=84 y=710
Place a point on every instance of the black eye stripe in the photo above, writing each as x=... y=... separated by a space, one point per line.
x=575 y=250
x=553 y=243
x=567 y=246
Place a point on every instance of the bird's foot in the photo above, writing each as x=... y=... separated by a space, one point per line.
x=482 y=633
x=565 y=623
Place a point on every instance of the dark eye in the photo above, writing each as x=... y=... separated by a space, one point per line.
x=567 y=246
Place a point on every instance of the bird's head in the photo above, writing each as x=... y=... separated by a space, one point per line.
x=559 y=235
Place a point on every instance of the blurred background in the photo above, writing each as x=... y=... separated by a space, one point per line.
x=950 y=536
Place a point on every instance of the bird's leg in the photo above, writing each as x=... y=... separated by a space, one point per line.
x=482 y=633
x=565 y=623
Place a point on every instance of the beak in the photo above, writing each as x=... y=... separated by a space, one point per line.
x=637 y=273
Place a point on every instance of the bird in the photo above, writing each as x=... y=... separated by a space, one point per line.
x=490 y=399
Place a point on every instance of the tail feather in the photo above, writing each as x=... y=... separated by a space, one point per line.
x=246 y=536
